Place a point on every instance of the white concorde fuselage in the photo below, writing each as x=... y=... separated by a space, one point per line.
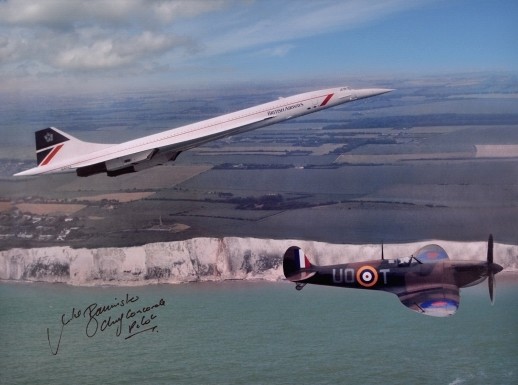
x=60 y=152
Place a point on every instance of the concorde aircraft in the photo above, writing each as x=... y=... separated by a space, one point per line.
x=57 y=151
x=427 y=282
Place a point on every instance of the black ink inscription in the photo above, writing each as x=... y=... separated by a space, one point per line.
x=127 y=317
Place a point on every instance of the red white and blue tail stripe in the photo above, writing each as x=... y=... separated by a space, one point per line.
x=296 y=265
x=49 y=143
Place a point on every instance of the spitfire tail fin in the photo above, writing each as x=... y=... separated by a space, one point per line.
x=296 y=265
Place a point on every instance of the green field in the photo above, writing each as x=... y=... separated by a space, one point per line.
x=399 y=168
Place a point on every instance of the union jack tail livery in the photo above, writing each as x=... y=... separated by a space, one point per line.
x=55 y=146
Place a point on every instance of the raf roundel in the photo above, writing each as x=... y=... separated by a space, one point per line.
x=367 y=276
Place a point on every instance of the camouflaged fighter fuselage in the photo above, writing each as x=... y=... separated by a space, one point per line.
x=427 y=282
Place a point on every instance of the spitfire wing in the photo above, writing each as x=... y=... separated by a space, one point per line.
x=439 y=301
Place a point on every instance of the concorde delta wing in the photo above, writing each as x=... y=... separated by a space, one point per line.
x=163 y=148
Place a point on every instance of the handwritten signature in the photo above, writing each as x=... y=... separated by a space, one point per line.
x=126 y=316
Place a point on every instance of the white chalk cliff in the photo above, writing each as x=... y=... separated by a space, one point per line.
x=207 y=259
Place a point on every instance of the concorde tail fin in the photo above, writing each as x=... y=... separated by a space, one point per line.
x=49 y=142
x=53 y=146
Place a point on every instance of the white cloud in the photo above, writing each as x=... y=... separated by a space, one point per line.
x=68 y=13
x=281 y=22
x=109 y=53
x=100 y=54
x=276 y=51
x=137 y=37
x=10 y=48
x=59 y=14
x=93 y=35
x=170 y=10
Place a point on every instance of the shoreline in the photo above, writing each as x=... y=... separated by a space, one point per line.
x=209 y=260
x=503 y=276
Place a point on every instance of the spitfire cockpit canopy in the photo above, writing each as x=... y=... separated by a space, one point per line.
x=431 y=254
x=407 y=261
x=426 y=254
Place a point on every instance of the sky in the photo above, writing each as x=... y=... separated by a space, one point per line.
x=64 y=44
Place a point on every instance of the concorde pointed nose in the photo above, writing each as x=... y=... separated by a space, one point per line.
x=369 y=92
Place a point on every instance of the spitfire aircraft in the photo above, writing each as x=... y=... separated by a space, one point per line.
x=57 y=151
x=427 y=282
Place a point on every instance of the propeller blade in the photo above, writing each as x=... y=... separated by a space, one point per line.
x=490 y=250
x=492 y=268
x=491 y=284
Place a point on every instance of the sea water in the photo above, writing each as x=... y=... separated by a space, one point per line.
x=251 y=333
